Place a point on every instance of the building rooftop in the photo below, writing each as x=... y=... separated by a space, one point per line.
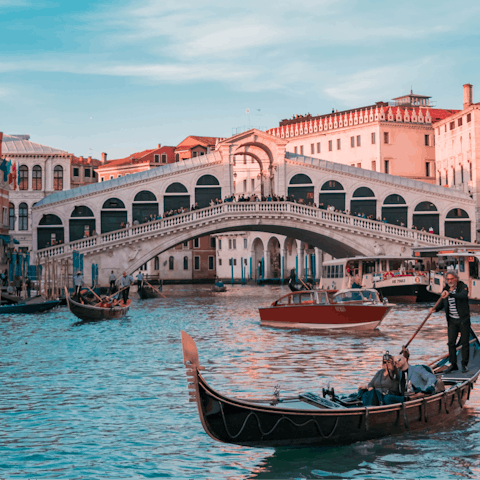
x=144 y=156
x=192 y=141
x=21 y=145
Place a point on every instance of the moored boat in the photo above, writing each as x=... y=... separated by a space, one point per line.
x=102 y=311
x=29 y=307
x=310 y=419
x=146 y=291
x=359 y=309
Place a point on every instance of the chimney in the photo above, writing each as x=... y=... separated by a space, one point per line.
x=1 y=140
x=90 y=159
x=467 y=95
x=159 y=145
x=104 y=158
x=81 y=158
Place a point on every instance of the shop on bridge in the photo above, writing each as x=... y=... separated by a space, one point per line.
x=144 y=204
x=395 y=210
x=50 y=231
x=176 y=196
x=207 y=189
x=81 y=223
x=332 y=194
x=301 y=188
x=364 y=203
x=113 y=215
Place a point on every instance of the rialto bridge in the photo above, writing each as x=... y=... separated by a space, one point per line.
x=88 y=219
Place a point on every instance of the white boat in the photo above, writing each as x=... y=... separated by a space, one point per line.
x=400 y=279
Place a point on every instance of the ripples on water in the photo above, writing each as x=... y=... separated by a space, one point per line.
x=110 y=399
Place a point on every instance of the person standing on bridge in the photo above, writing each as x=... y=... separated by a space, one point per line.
x=125 y=283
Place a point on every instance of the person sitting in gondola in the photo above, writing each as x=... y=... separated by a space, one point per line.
x=416 y=379
x=383 y=388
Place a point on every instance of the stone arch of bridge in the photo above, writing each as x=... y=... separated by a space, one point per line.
x=260 y=164
x=340 y=244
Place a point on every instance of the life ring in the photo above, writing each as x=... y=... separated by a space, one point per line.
x=387 y=276
x=417 y=280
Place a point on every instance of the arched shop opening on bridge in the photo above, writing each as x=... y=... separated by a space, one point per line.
x=364 y=203
x=50 y=231
x=458 y=225
x=81 y=223
x=301 y=187
x=332 y=194
x=113 y=215
x=144 y=204
x=207 y=189
x=176 y=196
x=395 y=210
x=426 y=216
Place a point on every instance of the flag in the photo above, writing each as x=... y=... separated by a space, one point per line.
x=12 y=177
x=5 y=168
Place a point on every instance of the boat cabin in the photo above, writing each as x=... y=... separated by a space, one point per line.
x=306 y=297
x=362 y=295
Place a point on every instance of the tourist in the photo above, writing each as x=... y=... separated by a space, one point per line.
x=113 y=280
x=430 y=230
x=457 y=310
x=383 y=388
x=415 y=379
x=357 y=282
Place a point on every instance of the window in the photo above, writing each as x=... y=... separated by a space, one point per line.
x=460 y=121
x=359 y=140
x=330 y=145
x=219 y=262
x=75 y=172
x=234 y=262
x=211 y=263
x=386 y=138
x=387 y=166
x=170 y=263
x=374 y=165
x=156 y=158
x=219 y=244
x=245 y=185
x=471 y=173
x=23 y=178
x=294 y=149
x=339 y=144
x=359 y=165
x=101 y=179
x=196 y=260
x=453 y=176
x=445 y=127
x=111 y=177
x=185 y=245
x=196 y=243
x=373 y=138
x=427 y=141
x=58 y=178
x=469 y=117
x=461 y=173
x=88 y=172
x=11 y=216
x=118 y=176
x=37 y=178
x=319 y=149
x=452 y=125
x=185 y=263
x=229 y=243
x=253 y=184
x=352 y=142
x=439 y=177
x=164 y=158
x=301 y=149
x=245 y=242
x=5 y=215
x=23 y=216
x=427 y=169
x=177 y=157
x=156 y=263
x=212 y=242
x=234 y=243
x=312 y=148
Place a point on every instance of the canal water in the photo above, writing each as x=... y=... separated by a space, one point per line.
x=109 y=399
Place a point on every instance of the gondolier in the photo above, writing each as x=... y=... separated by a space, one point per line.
x=455 y=302
x=140 y=279
x=125 y=283
x=78 y=282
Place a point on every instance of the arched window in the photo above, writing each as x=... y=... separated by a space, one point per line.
x=58 y=178
x=458 y=225
x=82 y=211
x=300 y=179
x=145 y=196
x=113 y=203
x=363 y=192
x=11 y=216
x=425 y=207
x=207 y=189
x=170 y=263
x=50 y=231
x=156 y=265
x=37 y=178
x=394 y=200
x=332 y=185
x=365 y=208
x=23 y=178
x=208 y=180
x=457 y=213
x=426 y=217
x=303 y=191
x=395 y=211
x=145 y=207
x=185 y=263
x=23 y=216
x=176 y=188
x=177 y=157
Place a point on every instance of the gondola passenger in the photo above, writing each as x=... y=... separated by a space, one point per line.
x=383 y=388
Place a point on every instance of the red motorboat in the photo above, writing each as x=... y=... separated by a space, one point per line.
x=356 y=308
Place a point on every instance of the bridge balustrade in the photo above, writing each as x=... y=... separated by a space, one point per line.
x=303 y=211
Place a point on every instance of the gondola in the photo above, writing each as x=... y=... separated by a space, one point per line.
x=146 y=291
x=311 y=419
x=92 y=313
x=29 y=307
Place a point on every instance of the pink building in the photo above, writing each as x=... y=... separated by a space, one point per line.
x=395 y=138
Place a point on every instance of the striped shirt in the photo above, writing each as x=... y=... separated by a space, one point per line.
x=452 y=306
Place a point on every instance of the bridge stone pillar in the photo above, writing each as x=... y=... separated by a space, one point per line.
x=318 y=263
x=266 y=262
x=301 y=259
x=283 y=263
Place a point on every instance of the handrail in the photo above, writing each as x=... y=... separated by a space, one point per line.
x=218 y=211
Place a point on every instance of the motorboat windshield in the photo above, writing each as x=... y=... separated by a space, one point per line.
x=356 y=295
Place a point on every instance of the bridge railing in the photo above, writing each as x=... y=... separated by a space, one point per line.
x=238 y=208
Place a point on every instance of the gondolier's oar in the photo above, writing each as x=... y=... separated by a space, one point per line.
x=113 y=294
x=158 y=291
x=99 y=299
x=420 y=327
x=304 y=284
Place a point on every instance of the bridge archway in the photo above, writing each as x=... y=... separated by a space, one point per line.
x=144 y=204
x=332 y=193
x=176 y=196
x=395 y=210
x=425 y=216
x=364 y=203
x=50 y=231
x=301 y=187
x=457 y=224
x=207 y=189
x=274 y=259
x=258 y=259
x=113 y=215
x=81 y=223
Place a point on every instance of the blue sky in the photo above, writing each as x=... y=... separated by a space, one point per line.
x=119 y=77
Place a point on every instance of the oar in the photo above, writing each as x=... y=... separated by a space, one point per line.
x=99 y=299
x=421 y=325
x=67 y=296
x=158 y=291
x=121 y=290
x=304 y=284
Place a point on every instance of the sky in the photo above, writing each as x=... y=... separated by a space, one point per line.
x=119 y=77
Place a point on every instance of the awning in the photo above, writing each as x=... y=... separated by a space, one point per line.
x=8 y=239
